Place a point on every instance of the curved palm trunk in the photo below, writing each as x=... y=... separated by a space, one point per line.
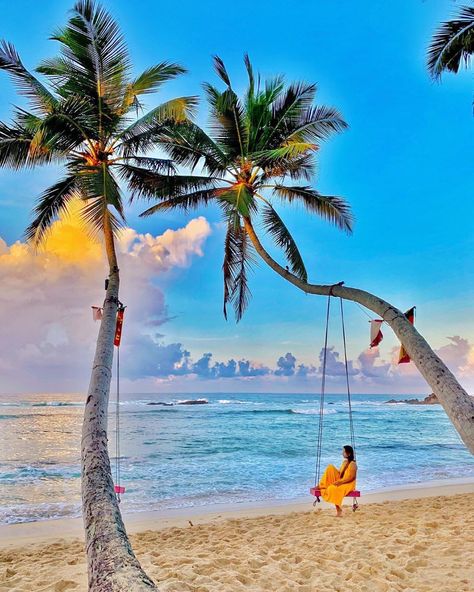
x=112 y=565
x=459 y=406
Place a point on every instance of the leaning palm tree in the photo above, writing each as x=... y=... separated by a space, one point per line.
x=260 y=151
x=85 y=118
x=452 y=44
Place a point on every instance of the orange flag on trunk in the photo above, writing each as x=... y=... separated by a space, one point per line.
x=403 y=357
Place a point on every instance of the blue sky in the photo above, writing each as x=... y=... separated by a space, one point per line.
x=405 y=164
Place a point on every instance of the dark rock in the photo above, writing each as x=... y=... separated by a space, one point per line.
x=193 y=402
x=429 y=400
x=160 y=403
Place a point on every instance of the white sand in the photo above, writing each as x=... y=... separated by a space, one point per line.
x=413 y=539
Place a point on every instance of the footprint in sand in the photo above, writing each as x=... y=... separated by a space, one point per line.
x=63 y=585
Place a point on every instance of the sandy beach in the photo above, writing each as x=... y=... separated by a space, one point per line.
x=417 y=539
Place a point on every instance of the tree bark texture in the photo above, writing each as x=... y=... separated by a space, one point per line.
x=112 y=565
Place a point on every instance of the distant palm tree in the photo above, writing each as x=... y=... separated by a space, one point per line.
x=452 y=44
x=86 y=119
x=258 y=148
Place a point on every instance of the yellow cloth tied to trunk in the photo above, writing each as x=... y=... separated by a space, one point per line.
x=335 y=494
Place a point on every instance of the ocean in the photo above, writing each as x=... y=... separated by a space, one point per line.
x=236 y=448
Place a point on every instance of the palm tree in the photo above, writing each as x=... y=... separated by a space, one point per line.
x=452 y=44
x=86 y=118
x=259 y=146
x=258 y=142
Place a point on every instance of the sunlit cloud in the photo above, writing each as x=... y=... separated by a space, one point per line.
x=48 y=336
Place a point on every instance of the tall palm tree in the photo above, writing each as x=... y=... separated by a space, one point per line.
x=260 y=150
x=86 y=118
x=452 y=44
x=258 y=146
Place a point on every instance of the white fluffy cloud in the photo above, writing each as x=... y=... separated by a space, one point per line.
x=47 y=335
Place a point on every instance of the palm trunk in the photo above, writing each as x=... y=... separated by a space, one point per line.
x=112 y=565
x=459 y=406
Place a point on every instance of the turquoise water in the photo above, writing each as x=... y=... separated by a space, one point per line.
x=236 y=448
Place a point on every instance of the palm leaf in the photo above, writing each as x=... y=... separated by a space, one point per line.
x=24 y=146
x=163 y=166
x=275 y=226
x=238 y=258
x=302 y=167
x=239 y=199
x=146 y=183
x=144 y=133
x=184 y=202
x=452 y=44
x=332 y=208
x=92 y=46
x=316 y=124
x=39 y=96
x=94 y=214
x=98 y=183
x=149 y=81
x=51 y=203
x=187 y=144
x=283 y=155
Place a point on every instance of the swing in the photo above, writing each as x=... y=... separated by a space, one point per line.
x=315 y=491
x=118 y=489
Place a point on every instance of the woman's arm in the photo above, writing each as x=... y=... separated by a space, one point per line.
x=349 y=475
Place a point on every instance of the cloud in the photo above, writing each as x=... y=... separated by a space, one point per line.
x=286 y=365
x=368 y=372
x=48 y=336
x=333 y=366
x=369 y=368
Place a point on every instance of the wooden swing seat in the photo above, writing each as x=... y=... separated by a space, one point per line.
x=317 y=492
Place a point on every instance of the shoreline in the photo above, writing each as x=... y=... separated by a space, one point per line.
x=68 y=529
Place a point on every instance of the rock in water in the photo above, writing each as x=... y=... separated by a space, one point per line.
x=429 y=400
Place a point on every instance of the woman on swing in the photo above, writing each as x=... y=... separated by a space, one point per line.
x=336 y=484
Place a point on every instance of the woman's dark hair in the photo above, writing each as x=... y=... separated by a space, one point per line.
x=350 y=453
x=350 y=457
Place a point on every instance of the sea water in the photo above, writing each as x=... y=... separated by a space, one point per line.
x=235 y=448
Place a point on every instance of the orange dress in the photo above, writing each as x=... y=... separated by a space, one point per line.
x=335 y=494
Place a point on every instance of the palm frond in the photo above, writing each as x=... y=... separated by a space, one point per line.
x=302 y=167
x=29 y=86
x=316 y=124
x=284 y=154
x=146 y=183
x=163 y=166
x=275 y=226
x=93 y=46
x=50 y=204
x=221 y=71
x=143 y=134
x=187 y=144
x=238 y=259
x=250 y=74
x=239 y=199
x=149 y=81
x=98 y=183
x=185 y=202
x=71 y=123
x=334 y=209
x=452 y=44
x=94 y=214
x=16 y=147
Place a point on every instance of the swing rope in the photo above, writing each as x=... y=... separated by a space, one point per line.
x=351 y=422
x=321 y=400
x=117 y=429
x=323 y=388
